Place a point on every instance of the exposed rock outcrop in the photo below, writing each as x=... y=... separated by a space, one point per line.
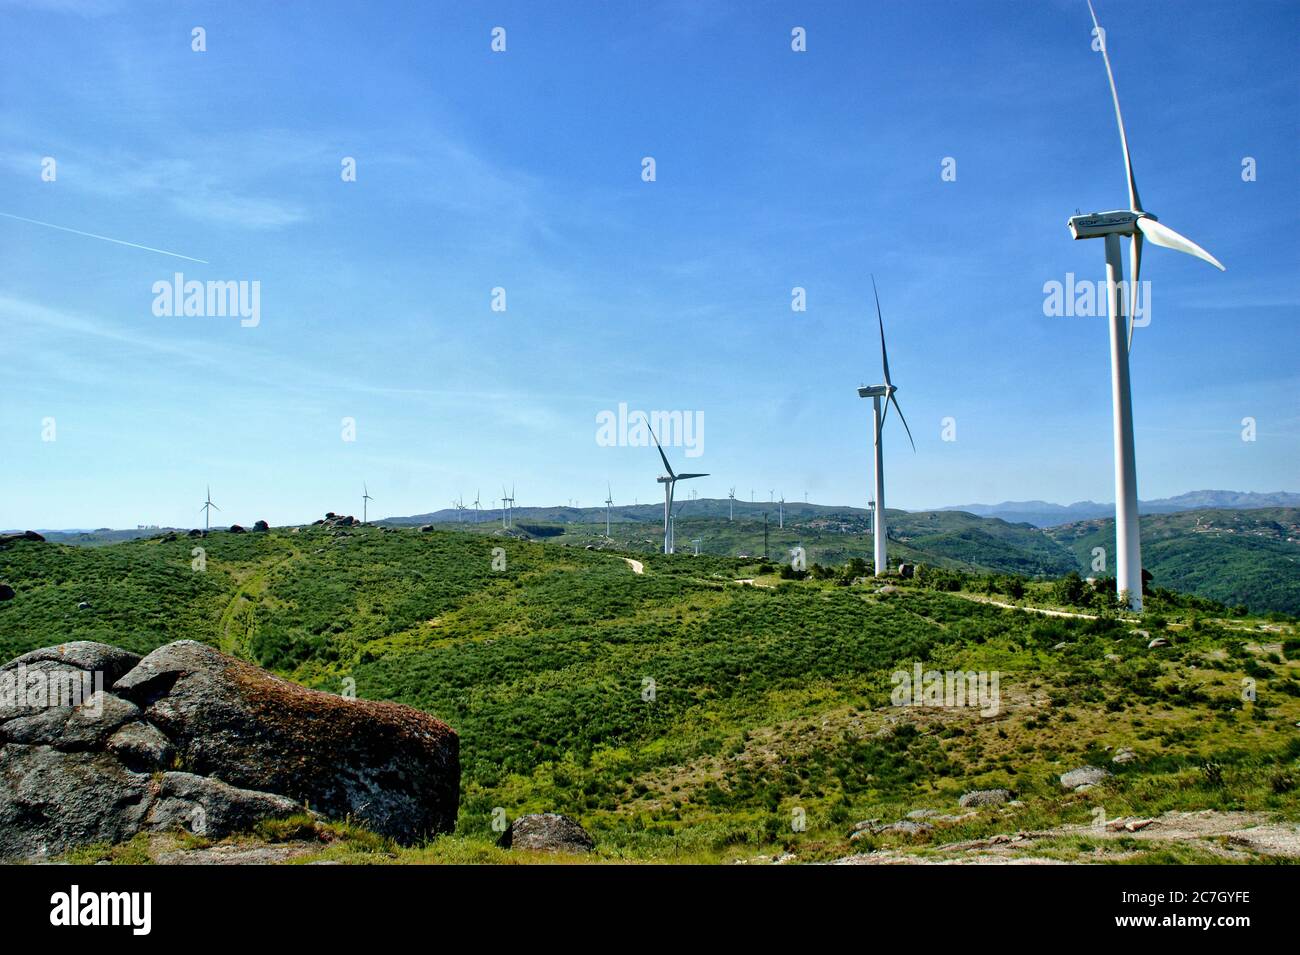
x=98 y=744
x=549 y=831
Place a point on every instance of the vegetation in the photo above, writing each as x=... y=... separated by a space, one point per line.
x=681 y=715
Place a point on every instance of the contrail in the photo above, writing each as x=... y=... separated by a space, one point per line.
x=147 y=248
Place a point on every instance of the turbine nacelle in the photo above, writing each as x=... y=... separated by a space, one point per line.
x=876 y=391
x=1094 y=225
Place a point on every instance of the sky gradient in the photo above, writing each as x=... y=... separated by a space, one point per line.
x=523 y=170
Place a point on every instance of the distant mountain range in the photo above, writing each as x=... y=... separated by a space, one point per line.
x=1046 y=514
x=1037 y=513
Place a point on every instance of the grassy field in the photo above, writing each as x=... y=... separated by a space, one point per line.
x=682 y=716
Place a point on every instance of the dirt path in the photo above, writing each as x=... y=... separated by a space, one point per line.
x=238 y=612
x=1044 y=611
x=636 y=565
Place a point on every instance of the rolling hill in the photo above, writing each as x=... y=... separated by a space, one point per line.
x=682 y=715
x=1238 y=557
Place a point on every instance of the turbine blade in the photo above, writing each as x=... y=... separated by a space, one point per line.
x=1134 y=202
x=1135 y=271
x=884 y=356
x=660 y=447
x=683 y=477
x=903 y=419
x=1161 y=234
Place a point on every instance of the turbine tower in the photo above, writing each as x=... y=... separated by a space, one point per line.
x=669 y=481
x=207 y=509
x=365 y=499
x=609 y=502
x=877 y=394
x=731 y=504
x=780 y=514
x=1137 y=224
x=476 y=502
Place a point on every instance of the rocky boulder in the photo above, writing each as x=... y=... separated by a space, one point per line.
x=390 y=767
x=548 y=831
x=7 y=539
x=984 y=797
x=7 y=592
x=1085 y=777
x=114 y=744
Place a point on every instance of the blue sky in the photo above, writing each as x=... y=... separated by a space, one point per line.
x=522 y=170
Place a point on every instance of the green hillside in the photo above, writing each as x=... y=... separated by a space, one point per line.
x=1238 y=557
x=683 y=715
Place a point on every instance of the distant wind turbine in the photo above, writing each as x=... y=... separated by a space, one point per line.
x=731 y=504
x=207 y=509
x=365 y=499
x=781 y=513
x=476 y=503
x=1137 y=224
x=609 y=502
x=669 y=481
x=877 y=393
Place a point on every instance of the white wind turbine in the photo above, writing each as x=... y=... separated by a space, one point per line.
x=476 y=503
x=609 y=502
x=780 y=513
x=669 y=481
x=731 y=504
x=207 y=509
x=1137 y=224
x=365 y=499
x=878 y=394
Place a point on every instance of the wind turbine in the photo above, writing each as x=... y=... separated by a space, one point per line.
x=1137 y=224
x=780 y=513
x=609 y=502
x=505 y=507
x=476 y=497
x=731 y=504
x=669 y=481
x=878 y=394
x=365 y=499
x=207 y=508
